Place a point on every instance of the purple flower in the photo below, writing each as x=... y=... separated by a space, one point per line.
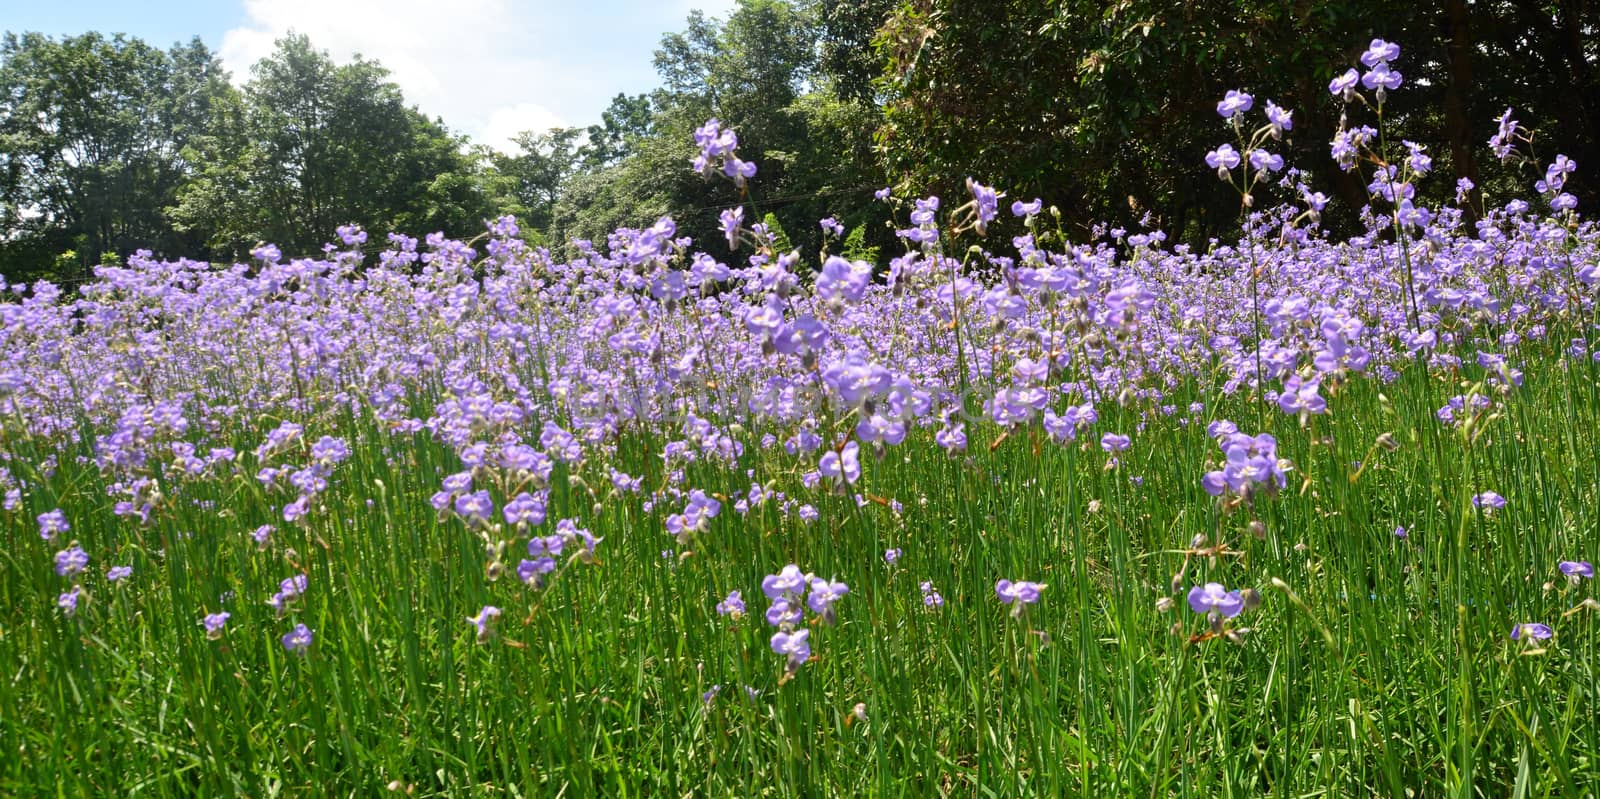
x=71 y=560
x=1280 y=118
x=1300 y=396
x=1576 y=569
x=1213 y=598
x=891 y=556
x=484 y=622
x=733 y=605
x=788 y=581
x=68 y=602
x=882 y=194
x=1345 y=85
x=292 y=587
x=1488 y=501
x=525 y=510
x=731 y=222
x=1115 y=442
x=795 y=646
x=532 y=572
x=119 y=573
x=784 y=614
x=214 y=622
x=823 y=595
x=298 y=640
x=475 y=507
x=1223 y=159
x=1263 y=161
x=52 y=523
x=1532 y=630
x=832 y=226
x=930 y=596
x=842 y=467
x=1380 y=52
x=1018 y=593
x=1382 y=78
x=987 y=203
x=1234 y=103
x=1020 y=208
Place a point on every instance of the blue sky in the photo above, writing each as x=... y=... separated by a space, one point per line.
x=489 y=68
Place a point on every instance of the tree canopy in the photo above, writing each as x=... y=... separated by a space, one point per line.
x=1104 y=110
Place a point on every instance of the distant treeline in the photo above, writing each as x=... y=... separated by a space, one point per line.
x=1105 y=110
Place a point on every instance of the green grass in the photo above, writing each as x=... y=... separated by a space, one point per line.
x=1374 y=666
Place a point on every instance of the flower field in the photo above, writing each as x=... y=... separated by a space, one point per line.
x=1025 y=511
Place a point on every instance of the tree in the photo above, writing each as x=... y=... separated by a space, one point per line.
x=624 y=122
x=316 y=144
x=93 y=144
x=539 y=172
x=757 y=72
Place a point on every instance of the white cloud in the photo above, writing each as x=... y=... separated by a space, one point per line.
x=489 y=68
x=506 y=122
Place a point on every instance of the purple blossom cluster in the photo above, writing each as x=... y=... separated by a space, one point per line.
x=534 y=372
x=790 y=593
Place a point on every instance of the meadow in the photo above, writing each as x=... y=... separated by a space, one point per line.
x=1027 y=513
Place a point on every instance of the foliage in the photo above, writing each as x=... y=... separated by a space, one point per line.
x=93 y=138
x=312 y=145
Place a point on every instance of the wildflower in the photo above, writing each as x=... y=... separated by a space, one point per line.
x=52 y=523
x=1280 y=119
x=71 y=560
x=796 y=646
x=289 y=589
x=823 y=596
x=484 y=622
x=784 y=614
x=1401 y=533
x=214 y=622
x=262 y=535
x=731 y=222
x=68 y=602
x=1234 y=103
x=1020 y=208
x=1488 y=502
x=298 y=640
x=1531 y=631
x=1576 y=570
x=1018 y=593
x=1263 y=161
x=524 y=510
x=532 y=572
x=843 y=466
x=1114 y=442
x=733 y=605
x=1213 y=598
x=987 y=202
x=119 y=573
x=1222 y=159
x=891 y=556
x=475 y=507
x=1380 y=52
x=1382 y=78
x=1300 y=396
x=789 y=580
x=1344 y=86
x=930 y=596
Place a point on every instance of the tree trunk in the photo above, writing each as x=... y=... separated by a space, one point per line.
x=1457 y=129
